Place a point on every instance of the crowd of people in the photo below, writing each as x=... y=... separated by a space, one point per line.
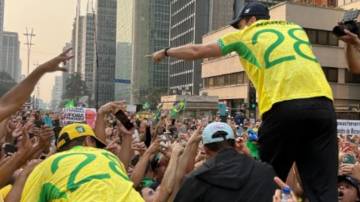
x=181 y=159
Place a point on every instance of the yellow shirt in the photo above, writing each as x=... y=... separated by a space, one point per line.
x=80 y=174
x=4 y=192
x=278 y=59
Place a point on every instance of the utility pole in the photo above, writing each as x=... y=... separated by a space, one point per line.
x=29 y=35
x=37 y=90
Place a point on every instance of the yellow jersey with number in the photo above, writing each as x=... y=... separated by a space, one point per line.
x=80 y=174
x=278 y=59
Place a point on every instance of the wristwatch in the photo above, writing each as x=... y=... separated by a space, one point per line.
x=165 y=51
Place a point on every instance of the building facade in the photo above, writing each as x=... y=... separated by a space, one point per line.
x=10 y=54
x=57 y=91
x=159 y=17
x=104 y=71
x=221 y=13
x=189 y=21
x=124 y=57
x=88 y=59
x=2 y=9
x=151 y=33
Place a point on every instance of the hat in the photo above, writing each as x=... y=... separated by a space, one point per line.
x=75 y=130
x=212 y=128
x=352 y=181
x=254 y=8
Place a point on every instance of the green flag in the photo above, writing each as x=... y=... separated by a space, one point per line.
x=146 y=106
x=177 y=108
x=158 y=112
x=70 y=104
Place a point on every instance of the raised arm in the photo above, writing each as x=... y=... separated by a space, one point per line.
x=140 y=168
x=189 y=52
x=126 y=150
x=15 y=193
x=186 y=159
x=168 y=181
x=17 y=96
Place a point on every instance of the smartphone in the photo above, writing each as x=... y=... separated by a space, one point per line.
x=9 y=149
x=122 y=117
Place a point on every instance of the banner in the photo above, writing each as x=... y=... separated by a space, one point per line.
x=79 y=115
x=90 y=116
x=348 y=127
x=131 y=108
x=73 y=115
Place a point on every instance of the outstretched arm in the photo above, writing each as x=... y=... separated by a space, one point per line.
x=17 y=96
x=189 y=52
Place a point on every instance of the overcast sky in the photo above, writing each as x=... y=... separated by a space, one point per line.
x=52 y=22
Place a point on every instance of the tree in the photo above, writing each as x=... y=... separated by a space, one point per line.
x=75 y=88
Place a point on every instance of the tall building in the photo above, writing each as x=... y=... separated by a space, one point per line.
x=158 y=39
x=104 y=73
x=223 y=13
x=57 y=91
x=2 y=9
x=124 y=44
x=189 y=21
x=142 y=28
x=83 y=44
x=10 y=54
x=88 y=59
x=123 y=71
x=79 y=44
x=151 y=33
x=65 y=75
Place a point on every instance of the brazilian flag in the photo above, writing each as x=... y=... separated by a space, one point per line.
x=177 y=108
x=158 y=112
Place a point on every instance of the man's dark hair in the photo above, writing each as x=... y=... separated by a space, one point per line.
x=75 y=142
x=247 y=18
x=218 y=146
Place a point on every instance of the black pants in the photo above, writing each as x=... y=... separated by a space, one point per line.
x=303 y=131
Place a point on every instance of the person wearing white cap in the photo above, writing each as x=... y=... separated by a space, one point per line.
x=227 y=175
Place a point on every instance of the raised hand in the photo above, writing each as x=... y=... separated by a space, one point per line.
x=53 y=64
x=112 y=107
x=350 y=38
x=158 y=56
x=196 y=136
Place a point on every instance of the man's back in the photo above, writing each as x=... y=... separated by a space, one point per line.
x=80 y=174
x=230 y=177
x=278 y=58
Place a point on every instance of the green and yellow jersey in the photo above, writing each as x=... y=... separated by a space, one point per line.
x=278 y=59
x=4 y=192
x=80 y=174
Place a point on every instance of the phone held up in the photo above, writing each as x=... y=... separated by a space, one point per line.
x=9 y=149
x=123 y=118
